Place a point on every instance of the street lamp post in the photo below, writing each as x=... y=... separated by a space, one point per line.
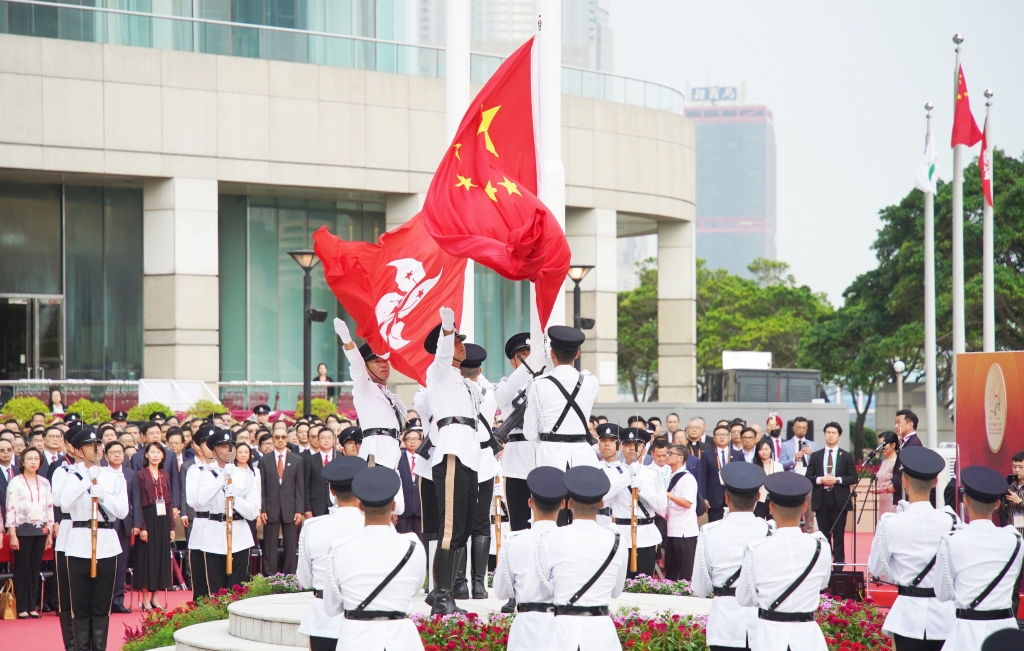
x=307 y=260
x=576 y=274
x=899 y=367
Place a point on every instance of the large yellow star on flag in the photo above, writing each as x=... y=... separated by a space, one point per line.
x=511 y=187
x=491 y=192
x=485 y=124
x=466 y=182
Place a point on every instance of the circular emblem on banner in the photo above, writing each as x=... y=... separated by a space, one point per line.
x=995 y=407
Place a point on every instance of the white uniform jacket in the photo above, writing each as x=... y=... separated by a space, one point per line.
x=720 y=549
x=903 y=546
x=450 y=395
x=76 y=500
x=518 y=576
x=357 y=567
x=969 y=559
x=316 y=540
x=211 y=489
x=570 y=556
x=198 y=524
x=652 y=499
x=769 y=567
x=421 y=404
x=519 y=457
x=377 y=407
x=545 y=404
x=488 y=406
x=56 y=490
x=620 y=477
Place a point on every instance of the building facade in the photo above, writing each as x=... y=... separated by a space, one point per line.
x=151 y=189
x=735 y=185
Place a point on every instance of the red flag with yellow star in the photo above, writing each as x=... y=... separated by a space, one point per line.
x=965 y=129
x=482 y=203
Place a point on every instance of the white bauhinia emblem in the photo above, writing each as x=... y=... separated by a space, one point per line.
x=413 y=285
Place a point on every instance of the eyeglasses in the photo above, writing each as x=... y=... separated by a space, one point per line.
x=674 y=454
x=279 y=437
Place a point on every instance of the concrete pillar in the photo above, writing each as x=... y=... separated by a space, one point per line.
x=677 y=312
x=400 y=208
x=591 y=233
x=181 y=318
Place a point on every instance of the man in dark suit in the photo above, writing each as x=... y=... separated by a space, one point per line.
x=318 y=498
x=710 y=483
x=124 y=526
x=833 y=471
x=906 y=429
x=283 y=474
x=8 y=470
x=410 y=520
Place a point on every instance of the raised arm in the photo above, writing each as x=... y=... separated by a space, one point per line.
x=440 y=369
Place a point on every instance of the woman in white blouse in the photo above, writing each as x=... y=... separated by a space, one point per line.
x=29 y=522
x=764 y=456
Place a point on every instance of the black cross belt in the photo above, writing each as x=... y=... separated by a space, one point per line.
x=456 y=420
x=87 y=524
x=776 y=616
x=984 y=615
x=723 y=592
x=582 y=611
x=318 y=594
x=563 y=438
x=517 y=437
x=607 y=510
x=374 y=615
x=629 y=522
x=535 y=607
x=220 y=517
x=914 y=591
x=381 y=431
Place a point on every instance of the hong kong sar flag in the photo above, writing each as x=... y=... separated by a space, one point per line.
x=393 y=289
x=482 y=203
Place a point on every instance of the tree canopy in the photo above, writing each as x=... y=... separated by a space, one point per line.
x=638 y=334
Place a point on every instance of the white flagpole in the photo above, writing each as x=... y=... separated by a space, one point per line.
x=456 y=101
x=930 y=373
x=988 y=239
x=959 y=336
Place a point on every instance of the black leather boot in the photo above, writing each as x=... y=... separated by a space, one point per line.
x=100 y=627
x=431 y=542
x=67 y=632
x=480 y=554
x=460 y=589
x=444 y=570
x=82 y=627
x=509 y=607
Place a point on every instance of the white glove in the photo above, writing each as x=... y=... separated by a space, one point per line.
x=94 y=472
x=97 y=491
x=231 y=491
x=447 y=318
x=635 y=468
x=229 y=470
x=635 y=483
x=341 y=328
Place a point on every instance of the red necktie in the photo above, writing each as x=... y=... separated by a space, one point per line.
x=412 y=459
x=778 y=449
x=326 y=459
x=280 y=467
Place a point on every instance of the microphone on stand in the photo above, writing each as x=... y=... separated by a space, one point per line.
x=874 y=453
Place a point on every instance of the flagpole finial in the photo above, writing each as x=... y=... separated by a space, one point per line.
x=988 y=95
x=958 y=39
x=540 y=22
x=928 y=106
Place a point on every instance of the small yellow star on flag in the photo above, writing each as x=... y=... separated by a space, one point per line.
x=491 y=192
x=466 y=182
x=511 y=187
x=456 y=146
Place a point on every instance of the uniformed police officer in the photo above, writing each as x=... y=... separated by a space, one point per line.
x=91 y=596
x=220 y=480
x=316 y=540
x=719 y=557
x=262 y=414
x=351 y=441
x=516 y=575
x=375 y=592
x=558 y=409
x=428 y=497
x=584 y=554
x=979 y=564
x=455 y=407
x=196 y=558
x=518 y=457
x=651 y=499
x=619 y=474
x=64 y=526
x=784 y=574
x=905 y=549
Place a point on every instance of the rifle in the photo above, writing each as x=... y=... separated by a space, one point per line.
x=94 y=524
x=632 y=527
x=229 y=520
x=515 y=419
x=497 y=516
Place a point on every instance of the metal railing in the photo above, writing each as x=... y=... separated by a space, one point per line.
x=209 y=36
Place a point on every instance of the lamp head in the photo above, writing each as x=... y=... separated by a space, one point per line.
x=579 y=271
x=899 y=366
x=306 y=258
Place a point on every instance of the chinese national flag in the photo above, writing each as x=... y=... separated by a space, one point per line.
x=482 y=203
x=965 y=129
x=393 y=289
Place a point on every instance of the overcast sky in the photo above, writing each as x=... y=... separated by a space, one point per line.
x=847 y=84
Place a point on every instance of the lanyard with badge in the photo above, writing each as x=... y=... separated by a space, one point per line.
x=161 y=505
x=35 y=507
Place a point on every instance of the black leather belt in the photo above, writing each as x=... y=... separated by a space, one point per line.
x=382 y=431
x=374 y=615
x=914 y=591
x=629 y=522
x=318 y=594
x=485 y=445
x=87 y=524
x=776 y=616
x=201 y=514
x=605 y=511
x=65 y=516
x=220 y=517
x=504 y=519
x=517 y=437
x=457 y=420
x=582 y=611
x=535 y=608
x=723 y=592
x=984 y=615
x=563 y=438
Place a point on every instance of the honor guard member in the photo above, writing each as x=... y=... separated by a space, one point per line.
x=196 y=558
x=618 y=473
x=91 y=596
x=719 y=558
x=585 y=565
x=516 y=575
x=119 y=419
x=905 y=549
x=381 y=412
x=455 y=406
x=428 y=497
x=221 y=480
x=979 y=564
x=783 y=575
x=318 y=536
x=651 y=499
x=481 y=536
x=262 y=414
x=518 y=457
x=64 y=526
x=558 y=407
x=374 y=576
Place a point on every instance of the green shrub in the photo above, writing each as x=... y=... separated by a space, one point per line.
x=91 y=412
x=143 y=411
x=319 y=407
x=22 y=409
x=206 y=408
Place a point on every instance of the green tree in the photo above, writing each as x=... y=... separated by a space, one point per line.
x=638 y=334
